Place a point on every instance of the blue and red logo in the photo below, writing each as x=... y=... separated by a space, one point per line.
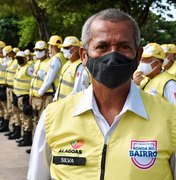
x=143 y=153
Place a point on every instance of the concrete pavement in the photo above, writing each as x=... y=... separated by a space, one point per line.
x=13 y=160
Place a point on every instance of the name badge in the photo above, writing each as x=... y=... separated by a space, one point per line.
x=67 y=160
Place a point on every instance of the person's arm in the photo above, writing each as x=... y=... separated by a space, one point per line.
x=39 y=164
x=85 y=80
x=3 y=65
x=78 y=82
x=170 y=92
x=55 y=65
x=30 y=71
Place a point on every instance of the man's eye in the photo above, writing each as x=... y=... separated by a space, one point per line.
x=126 y=47
x=102 y=47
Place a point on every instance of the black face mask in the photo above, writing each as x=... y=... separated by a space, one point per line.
x=20 y=60
x=113 y=69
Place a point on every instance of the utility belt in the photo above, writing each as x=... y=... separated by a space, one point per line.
x=9 y=86
x=24 y=96
x=49 y=94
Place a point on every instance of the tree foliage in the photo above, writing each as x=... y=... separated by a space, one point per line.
x=39 y=19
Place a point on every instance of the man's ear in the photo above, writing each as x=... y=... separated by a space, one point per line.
x=83 y=56
x=139 y=52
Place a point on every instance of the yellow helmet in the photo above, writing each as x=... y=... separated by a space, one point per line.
x=55 y=40
x=2 y=44
x=71 y=41
x=171 y=48
x=15 y=49
x=153 y=50
x=6 y=50
x=40 y=45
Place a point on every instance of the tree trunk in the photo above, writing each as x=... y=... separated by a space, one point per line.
x=42 y=20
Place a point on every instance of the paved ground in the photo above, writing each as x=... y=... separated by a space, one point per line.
x=13 y=160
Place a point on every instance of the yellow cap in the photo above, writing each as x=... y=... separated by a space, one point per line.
x=153 y=50
x=27 y=52
x=171 y=48
x=15 y=49
x=71 y=41
x=40 y=45
x=6 y=50
x=2 y=44
x=20 y=54
x=55 y=40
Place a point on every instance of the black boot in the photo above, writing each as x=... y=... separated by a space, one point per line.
x=1 y=121
x=28 y=151
x=20 y=139
x=16 y=134
x=27 y=141
x=5 y=126
x=10 y=132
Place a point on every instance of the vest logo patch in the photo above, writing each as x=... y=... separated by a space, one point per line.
x=77 y=144
x=75 y=147
x=143 y=153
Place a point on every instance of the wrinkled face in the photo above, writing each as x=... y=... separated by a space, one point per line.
x=108 y=37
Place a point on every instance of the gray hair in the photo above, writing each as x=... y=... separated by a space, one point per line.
x=113 y=15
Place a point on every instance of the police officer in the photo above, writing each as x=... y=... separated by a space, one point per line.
x=160 y=82
x=169 y=63
x=7 y=51
x=56 y=63
x=11 y=70
x=41 y=67
x=2 y=45
x=71 y=73
x=21 y=88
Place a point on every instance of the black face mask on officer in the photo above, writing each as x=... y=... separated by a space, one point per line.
x=113 y=69
x=20 y=60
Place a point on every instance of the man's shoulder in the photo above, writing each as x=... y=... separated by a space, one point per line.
x=68 y=102
x=156 y=102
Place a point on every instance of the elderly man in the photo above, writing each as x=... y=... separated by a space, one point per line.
x=108 y=131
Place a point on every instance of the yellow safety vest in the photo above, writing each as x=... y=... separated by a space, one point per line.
x=22 y=81
x=67 y=78
x=36 y=82
x=3 y=74
x=11 y=70
x=158 y=83
x=172 y=69
x=138 y=149
x=62 y=59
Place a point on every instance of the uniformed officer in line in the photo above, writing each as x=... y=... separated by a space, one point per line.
x=114 y=130
x=11 y=70
x=57 y=60
x=159 y=82
x=7 y=56
x=29 y=57
x=41 y=67
x=2 y=45
x=169 y=63
x=71 y=73
x=56 y=63
x=21 y=88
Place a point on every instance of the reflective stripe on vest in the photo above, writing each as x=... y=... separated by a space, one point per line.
x=67 y=78
x=22 y=81
x=36 y=82
x=158 y=83
x=11 y=70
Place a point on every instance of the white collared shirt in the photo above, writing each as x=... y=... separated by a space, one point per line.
x=41 y=154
